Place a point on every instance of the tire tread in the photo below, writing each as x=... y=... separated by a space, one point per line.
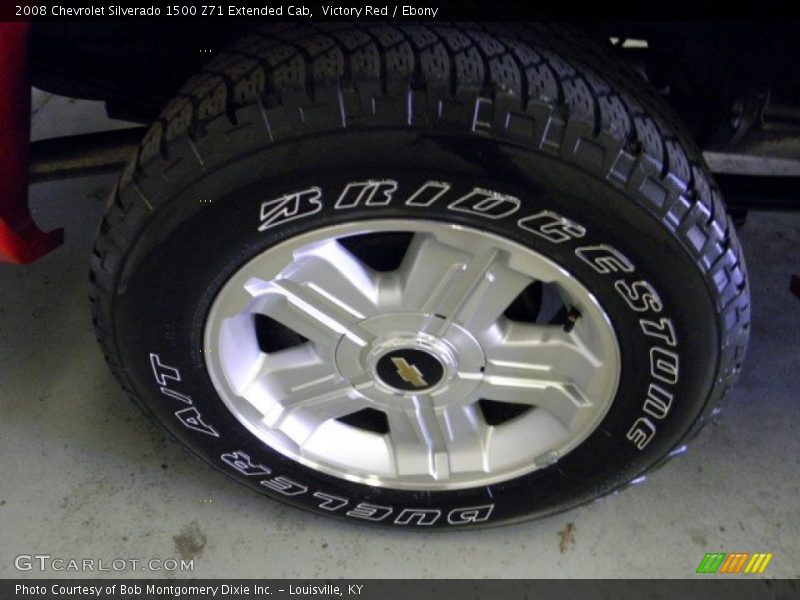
x=292 y=80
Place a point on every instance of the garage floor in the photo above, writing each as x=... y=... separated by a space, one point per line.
x=84 y=475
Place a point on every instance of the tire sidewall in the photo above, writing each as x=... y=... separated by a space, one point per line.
x=208 y=227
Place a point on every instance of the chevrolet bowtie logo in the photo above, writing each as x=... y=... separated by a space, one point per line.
x=409 y=373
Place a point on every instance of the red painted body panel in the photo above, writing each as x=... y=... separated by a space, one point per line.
x=21 y=240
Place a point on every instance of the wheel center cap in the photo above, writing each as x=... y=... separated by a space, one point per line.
x=410 y=354
x=409 y=369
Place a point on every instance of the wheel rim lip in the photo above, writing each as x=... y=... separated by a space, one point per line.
x=234 y=402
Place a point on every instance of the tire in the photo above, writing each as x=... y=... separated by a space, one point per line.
x=531 y=146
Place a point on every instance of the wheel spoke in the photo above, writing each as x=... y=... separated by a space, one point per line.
x=470 y=289
x=524 y=382
x=446 y=440
x=297 y=391
x=544 y=348
x=339 y=275
x=417 y=437
x=321 y=296
x=467 y=433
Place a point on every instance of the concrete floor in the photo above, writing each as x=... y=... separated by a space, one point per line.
x=84 y=475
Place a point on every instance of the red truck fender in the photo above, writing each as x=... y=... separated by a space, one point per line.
x=21 y=240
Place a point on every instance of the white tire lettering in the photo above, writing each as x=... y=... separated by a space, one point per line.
x=486 y=203
x=470 y=514
x=330 y=502
x=663 y=330
x=369 y=193
x=290 y=207
x=191 y=419
x=176 y=395
x=605 y=259
x=418 y=516
x=284 y=485
x=241 y=462
x=664 y=365
x=163 y=372
x=429 y=193
x=369 y=512
x=552 y=227
x=641 y=432
x=658 y=402
x=639 y=295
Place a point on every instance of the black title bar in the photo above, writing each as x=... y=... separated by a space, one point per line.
x=383 y=10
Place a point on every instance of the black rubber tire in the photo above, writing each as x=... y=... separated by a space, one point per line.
x=538 y=112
